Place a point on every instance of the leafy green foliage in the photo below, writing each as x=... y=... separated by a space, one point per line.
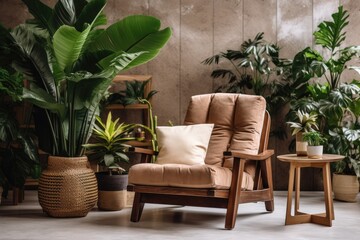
x=306 y=122
x=70 y=63
x=11 y=84
x=18 y=153
x=314 y=138
x=110 y=141
x=253 y=65
x=337 y=104
x=134 y=90
x=330 y=35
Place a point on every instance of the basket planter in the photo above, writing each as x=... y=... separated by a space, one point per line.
x=67 y=187
x=345 y=187
x=301 y=145
x=112 y=191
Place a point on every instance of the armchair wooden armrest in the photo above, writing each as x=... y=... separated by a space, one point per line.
x=143 y=151
x=245 y=156
x=146 y=154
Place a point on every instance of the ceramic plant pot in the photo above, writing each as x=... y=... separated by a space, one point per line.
x=315 y=151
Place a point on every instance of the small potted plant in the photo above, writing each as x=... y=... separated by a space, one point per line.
x=110 y=149
x=305 y=122
x=315 y=141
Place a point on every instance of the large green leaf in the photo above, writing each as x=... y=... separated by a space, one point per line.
x=42 y=99
x=133 y=34
x=41 y=12
x=90 y=88
x=330 y=34
x=32 y=59
x=91 y=14
x=68 y=45
x=64 y=14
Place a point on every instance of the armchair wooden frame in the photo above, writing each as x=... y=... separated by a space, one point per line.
x=217 y=198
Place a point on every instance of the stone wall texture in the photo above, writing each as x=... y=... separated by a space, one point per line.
x=202 y=28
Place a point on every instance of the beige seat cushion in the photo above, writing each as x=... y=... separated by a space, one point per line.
x=179 y=175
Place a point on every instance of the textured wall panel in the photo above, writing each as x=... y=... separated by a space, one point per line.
x=165 y=69
x=294 y=26
x=260 y=16
x=228 y=32
x=196 y=45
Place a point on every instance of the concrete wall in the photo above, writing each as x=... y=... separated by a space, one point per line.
x=202 y=28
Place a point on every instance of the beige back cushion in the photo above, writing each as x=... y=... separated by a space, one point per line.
x=238 y=120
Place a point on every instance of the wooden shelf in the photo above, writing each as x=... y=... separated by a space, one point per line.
x=139 y=144
x=121 y=78
x=131 y=106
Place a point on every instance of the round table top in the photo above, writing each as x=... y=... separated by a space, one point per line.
x=305 y=159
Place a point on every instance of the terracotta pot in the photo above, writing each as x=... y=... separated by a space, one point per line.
x=301 y=145
x=314 y=151
x=67 y=187
x=112 y=191
x=345 y=187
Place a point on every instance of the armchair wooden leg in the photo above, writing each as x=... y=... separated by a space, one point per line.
x=137 y=208
x=234 y=195
x=231 y=214
x=268 y=183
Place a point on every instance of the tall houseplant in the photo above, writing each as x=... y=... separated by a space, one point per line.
x=70 y=62
x=337 y=103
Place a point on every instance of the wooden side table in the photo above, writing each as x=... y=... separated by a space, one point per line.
x=296 y=163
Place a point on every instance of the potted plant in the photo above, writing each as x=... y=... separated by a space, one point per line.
x=70 y=62
x=304 y=122
x=336 y=103
x=110 y=147
x=18 y=153
x=315 y=141
x=134 y=91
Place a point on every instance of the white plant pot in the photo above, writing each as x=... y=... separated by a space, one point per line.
x=315 y=151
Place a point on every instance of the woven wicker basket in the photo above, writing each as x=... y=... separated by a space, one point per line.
x=68 y=187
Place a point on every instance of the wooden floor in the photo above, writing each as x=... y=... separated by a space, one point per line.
x=26 y=221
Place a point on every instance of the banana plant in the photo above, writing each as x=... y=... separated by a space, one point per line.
x=70 y=62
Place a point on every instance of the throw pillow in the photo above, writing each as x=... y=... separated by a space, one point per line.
x=183 y=144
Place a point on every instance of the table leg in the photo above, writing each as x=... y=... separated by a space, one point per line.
x=328 y=192
x=297 y=190
x=325 y=218
x=289 y=197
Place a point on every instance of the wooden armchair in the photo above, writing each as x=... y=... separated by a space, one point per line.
x=237 y=166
